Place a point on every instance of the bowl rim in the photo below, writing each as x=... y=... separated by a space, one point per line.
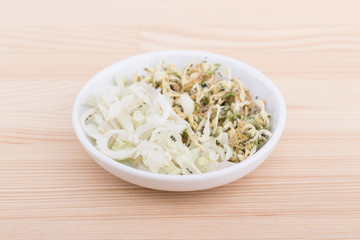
x=266 y=149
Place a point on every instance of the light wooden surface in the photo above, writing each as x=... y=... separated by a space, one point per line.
x=309 y=188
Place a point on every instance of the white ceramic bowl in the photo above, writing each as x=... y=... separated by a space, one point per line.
x=256 y=82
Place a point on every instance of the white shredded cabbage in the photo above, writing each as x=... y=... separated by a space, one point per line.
x=187 y=104
x=136 y=122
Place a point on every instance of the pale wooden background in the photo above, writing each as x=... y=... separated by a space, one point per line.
x=309 y=188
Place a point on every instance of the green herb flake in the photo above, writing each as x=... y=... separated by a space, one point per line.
x=230 y=94
x=211 y=72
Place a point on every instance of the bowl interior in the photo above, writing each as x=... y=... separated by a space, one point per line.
x=252 y=79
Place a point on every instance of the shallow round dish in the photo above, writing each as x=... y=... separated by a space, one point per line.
x=258 y=84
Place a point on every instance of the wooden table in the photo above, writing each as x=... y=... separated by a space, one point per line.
x=309 y=188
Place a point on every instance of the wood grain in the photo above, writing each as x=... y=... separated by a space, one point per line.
x=309 y=188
